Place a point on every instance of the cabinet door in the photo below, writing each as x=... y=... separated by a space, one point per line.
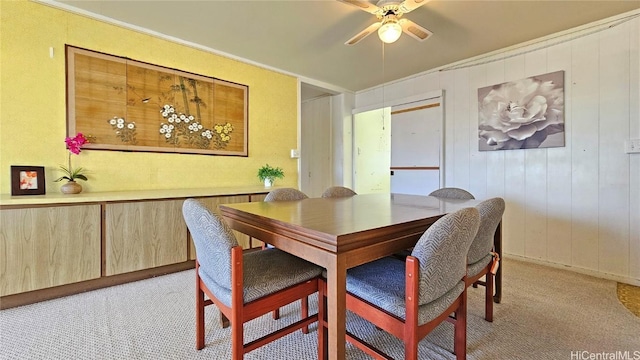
x=212 y=204
x=257 y=197
x=143 y=235
x=48 y=246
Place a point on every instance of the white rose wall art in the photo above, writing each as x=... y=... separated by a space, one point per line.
x=522 y=114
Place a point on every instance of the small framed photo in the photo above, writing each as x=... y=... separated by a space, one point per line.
x=27 y=180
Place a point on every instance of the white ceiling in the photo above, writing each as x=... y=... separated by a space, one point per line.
x=307 y=38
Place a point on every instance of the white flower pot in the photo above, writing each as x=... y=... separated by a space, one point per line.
x=268 y=183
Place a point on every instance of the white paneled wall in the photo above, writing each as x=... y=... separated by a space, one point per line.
x=577 y=205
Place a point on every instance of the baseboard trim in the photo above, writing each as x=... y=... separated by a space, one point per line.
x=35 y=296
x=601 y=275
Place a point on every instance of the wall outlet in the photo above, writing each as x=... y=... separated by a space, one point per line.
x=632 y=146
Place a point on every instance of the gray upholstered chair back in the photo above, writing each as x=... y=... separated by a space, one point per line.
x=285 y=194
x=213 y=240
x=452 y=193
x=338 y=192
x=442 y=253
x=491 y=211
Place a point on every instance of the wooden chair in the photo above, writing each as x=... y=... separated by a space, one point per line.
x=287 y=194
x=338 y=192
x=481 y=257
x=243 y=286
x=445 y=193
x=452 y=193
x=410 y=298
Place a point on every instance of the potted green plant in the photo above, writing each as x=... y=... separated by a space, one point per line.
x=268 y=174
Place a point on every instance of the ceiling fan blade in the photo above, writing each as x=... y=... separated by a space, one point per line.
x=364 y=33
x=414 y=30
x=410 y=5
x=365 y=5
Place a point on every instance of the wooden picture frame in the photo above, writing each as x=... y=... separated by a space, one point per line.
x=27 y=180
x=123 y=104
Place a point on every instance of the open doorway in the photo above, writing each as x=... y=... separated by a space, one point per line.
x=372 y=151
x=399 y=149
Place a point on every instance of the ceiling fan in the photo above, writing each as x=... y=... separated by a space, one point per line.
x=391 y=24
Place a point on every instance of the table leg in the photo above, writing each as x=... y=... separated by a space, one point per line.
x=497 y=243
x=336 y=307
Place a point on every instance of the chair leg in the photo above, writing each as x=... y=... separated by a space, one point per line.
x=304 y=308
x=488 y=298
x=411 y=349
x=460 y=337
x=199 y=312
x=237 y=305
x=199 y=317
x=322 y=317
x=224 y=321
x=237 y=340
x=410 y=332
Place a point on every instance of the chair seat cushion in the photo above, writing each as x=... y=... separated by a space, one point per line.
x=382 y=283
x=265 y=272
x=476 y=268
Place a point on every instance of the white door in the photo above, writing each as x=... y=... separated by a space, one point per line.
x=416 y=143
x=315 y=146
x=371 y=151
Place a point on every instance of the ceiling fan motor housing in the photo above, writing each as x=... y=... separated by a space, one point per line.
x=390 y=25
x=389 y=8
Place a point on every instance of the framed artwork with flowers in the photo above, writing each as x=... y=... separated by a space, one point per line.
x=123 y=104
x=27 y=180
x=522 y=114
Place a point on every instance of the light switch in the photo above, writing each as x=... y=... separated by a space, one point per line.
x=295 y=153
x=632 y=146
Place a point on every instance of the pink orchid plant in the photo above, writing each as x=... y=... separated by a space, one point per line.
x=74 y=144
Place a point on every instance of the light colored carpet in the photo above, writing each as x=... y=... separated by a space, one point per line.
x=545 y=313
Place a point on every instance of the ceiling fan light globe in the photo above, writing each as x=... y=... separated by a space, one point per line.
x=390 y=32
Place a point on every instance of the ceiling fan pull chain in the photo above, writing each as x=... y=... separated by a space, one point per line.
x=383 y=80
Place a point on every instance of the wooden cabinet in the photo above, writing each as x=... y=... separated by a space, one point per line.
x=44 y=247
x=56 y=245
x=144 y=234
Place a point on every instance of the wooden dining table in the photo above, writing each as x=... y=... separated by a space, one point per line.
x=341 y=233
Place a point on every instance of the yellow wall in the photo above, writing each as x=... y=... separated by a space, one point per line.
x=33 y=108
